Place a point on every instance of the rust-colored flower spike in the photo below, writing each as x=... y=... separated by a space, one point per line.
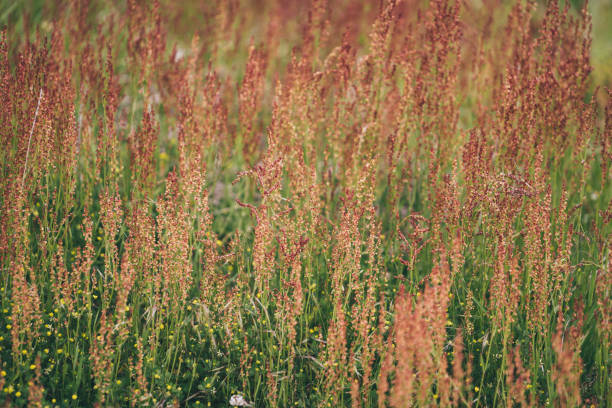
x=314 y=30
x=419 y=359
x=147 y=38
x=272 y=384
x=138 y=373
x=25 y=314
x=505 y=287
x=111 y=215
x=125 y=284
x=568 y=365
x=249 y=99
x=517 y=380
x=142 y=148
x=412 y=352
x=101 y=353
x=382 y=31
x=459 y=374
x=173 y=233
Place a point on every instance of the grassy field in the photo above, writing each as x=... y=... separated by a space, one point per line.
x=305 y=203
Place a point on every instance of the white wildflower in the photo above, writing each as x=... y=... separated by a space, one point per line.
x=239 y=401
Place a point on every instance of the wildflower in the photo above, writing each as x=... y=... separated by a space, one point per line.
x=239 y=401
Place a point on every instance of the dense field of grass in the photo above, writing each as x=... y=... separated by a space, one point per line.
x=305 y=204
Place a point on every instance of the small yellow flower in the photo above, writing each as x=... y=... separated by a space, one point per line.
x=476 y=389
x=18 y=394
x=32 y=366
x=74 y=396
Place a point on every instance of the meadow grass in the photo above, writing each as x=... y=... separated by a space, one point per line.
x=305 y=204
